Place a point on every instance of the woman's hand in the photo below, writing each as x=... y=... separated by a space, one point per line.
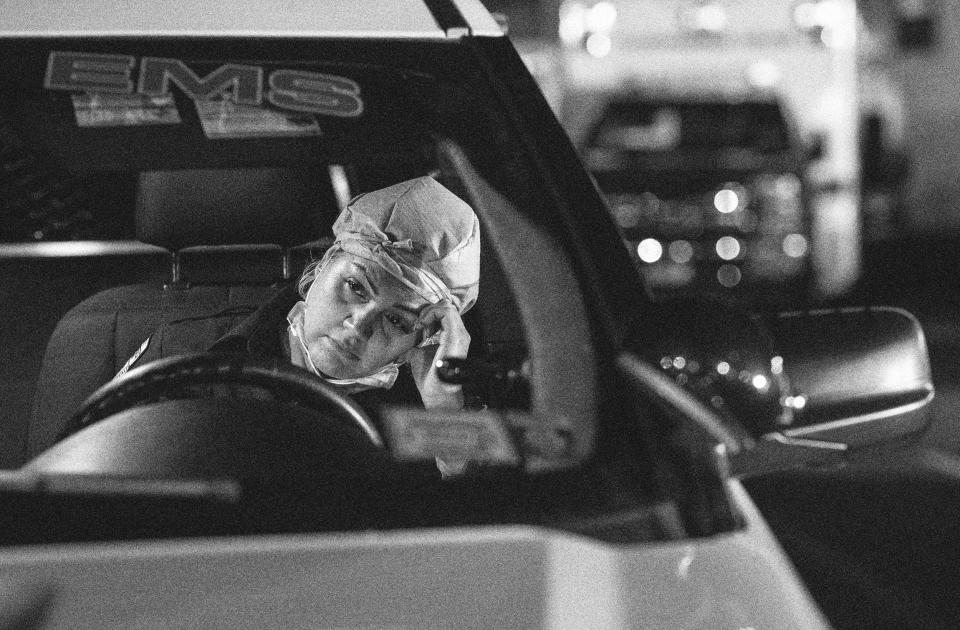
x=442 y=320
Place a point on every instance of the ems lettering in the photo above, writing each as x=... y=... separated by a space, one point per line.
x=93 y=73
x=315 y=93
x=242 y=82
x=293 y=90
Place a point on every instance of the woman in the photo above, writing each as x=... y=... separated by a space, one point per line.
x=391 y=290
x=404 y=267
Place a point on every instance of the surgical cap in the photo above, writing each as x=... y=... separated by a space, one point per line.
x=420 y=233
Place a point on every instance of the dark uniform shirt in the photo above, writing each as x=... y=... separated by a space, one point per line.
x=258 y=332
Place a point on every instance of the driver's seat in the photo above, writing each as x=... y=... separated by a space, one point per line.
x=233 y=235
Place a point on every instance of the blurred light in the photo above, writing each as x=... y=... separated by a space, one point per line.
x=829 y=21
x=760 y=382
x=795 y=245
x=729 y=275
x=573 y=17
x=649 y=250
x=728 y=248
x=627 y=214
x=693 y=367
x=710 y=17
x=818 y=14
x=776 y=364
x=805 y=15
x=839 y=24
x=341 y=185
x=683 y=567
x=666 y=363
x=679 y=363
x=680 y=251
x=76 y=249
x=838 y=37
x=601 y=17
x=763 y=74
x=895 y=374
x=787 y=186
x=723 y=368
x=795 y=402
x=649 y=202
x=599 y=44
x=726 y=201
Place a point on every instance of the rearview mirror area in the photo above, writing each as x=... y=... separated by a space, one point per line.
x=808 y=387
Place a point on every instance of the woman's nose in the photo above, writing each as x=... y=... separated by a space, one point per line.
x=361 y=319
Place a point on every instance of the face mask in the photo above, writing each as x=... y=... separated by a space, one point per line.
x=383 y=378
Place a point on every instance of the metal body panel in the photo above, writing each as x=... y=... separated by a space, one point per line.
x=480 y=22
x=196 y=18
x=486 y=577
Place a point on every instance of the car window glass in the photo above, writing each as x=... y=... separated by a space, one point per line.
x=692 y=125
x=79 y=155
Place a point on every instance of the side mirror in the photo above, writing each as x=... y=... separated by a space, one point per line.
x=859 y=376
x=804 y=388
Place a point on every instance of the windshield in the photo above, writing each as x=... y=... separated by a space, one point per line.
x=78 y=128
x=144 y=184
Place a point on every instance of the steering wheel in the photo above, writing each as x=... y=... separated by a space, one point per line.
x=150 y=381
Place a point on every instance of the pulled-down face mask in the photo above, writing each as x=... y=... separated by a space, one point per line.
x=300 y=356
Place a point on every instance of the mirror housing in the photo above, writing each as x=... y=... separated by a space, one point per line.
x=859 y=376
x=807 y=387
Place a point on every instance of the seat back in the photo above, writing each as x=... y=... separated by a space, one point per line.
x=237 y=226
x=234 y=236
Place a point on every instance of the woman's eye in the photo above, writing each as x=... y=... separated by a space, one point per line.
x=356 y=287
x=400 y=324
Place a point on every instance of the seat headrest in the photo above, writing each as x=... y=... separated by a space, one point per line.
x=281 y=206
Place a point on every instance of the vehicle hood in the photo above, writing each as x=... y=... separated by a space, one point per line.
x=486 y=577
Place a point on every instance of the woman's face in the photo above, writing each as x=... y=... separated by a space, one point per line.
x=358 y=318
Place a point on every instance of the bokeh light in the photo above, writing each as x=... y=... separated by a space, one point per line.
x=729 y=276
x=727 y=247
x=795 y=245
x=649 y=250
x=726 y=201
x=680 y=251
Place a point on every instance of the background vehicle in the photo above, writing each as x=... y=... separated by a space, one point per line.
x=711 y=192
x=699 y=75
x=602 y=492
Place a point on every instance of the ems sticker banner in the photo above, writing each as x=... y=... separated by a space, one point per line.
x=222 y=119
x=94 y=109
